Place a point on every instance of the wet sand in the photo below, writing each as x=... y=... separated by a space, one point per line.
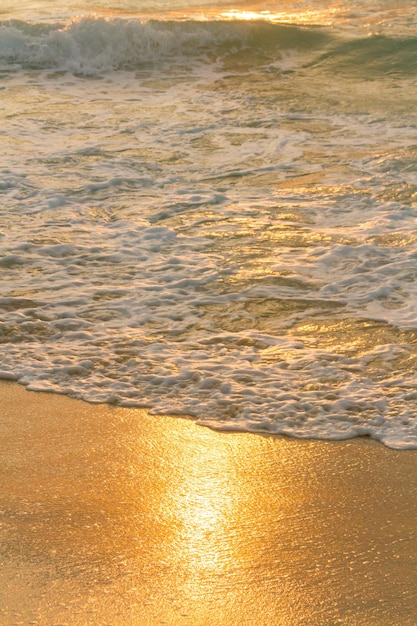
x=114 y=516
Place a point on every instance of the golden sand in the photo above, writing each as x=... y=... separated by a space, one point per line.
x=110 y=516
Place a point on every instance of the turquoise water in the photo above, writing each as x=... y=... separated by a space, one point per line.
x=210 y=209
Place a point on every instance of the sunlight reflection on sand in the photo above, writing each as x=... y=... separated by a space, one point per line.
x=113 y=516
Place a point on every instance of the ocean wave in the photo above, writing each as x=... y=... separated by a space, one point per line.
x=92 y=45
x=376 y=54
x=97 y=44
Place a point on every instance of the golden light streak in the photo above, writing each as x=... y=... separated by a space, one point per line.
x=299 y=17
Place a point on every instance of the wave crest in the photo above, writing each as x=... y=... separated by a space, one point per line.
x=105 y=45
x=92 y=45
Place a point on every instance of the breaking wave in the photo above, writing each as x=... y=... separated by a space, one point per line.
x=92 y=45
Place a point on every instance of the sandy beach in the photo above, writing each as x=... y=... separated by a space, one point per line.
x=114 y=516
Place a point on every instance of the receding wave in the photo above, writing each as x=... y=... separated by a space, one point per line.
x=101 y=45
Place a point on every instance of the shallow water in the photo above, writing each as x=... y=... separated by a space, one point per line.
x=209 y=214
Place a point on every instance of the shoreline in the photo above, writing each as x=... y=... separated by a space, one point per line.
x=110 y=515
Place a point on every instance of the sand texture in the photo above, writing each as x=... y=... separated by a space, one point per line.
x=111 y=516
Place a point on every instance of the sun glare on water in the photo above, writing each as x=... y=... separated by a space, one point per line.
x=300 y=17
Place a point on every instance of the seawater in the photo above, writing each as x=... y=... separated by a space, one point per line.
x=211 y=210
